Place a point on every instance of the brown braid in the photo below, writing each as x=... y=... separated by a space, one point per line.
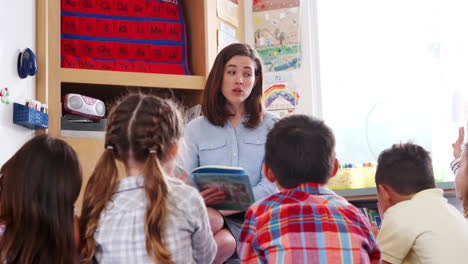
x=137 y=125
x=98 y=191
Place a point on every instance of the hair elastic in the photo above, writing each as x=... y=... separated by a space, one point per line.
x=152 y=151
x=109 y=147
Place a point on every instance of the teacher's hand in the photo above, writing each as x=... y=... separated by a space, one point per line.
x=213 y=195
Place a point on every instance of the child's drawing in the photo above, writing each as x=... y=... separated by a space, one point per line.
x=276 y=33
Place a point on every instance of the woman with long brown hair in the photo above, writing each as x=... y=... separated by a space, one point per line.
x=147 y=216
x=231 y=132
x=39 y=186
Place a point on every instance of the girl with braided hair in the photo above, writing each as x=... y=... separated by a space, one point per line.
x=147 y=216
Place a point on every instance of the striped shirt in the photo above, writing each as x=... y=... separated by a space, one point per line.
x=120 y=236
x=455 y=165
x=307 y=224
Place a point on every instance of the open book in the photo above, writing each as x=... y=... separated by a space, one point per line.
x=232 y=180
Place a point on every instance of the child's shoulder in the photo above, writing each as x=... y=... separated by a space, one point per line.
x=267 y=203
x=182 y=192
x=297 y=197
x=299 y=202
x=178 y=185
x=282 y=198
x=413 y=209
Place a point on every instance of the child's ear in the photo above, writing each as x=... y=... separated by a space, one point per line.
x=172 y=151
x=385 y=195
x=336 y=165
x=268 y=173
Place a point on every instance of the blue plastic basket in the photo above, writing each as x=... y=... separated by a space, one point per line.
x=29 y=118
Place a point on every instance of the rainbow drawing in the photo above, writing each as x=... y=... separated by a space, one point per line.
x=279 y=90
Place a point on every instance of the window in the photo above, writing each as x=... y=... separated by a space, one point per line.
x=392 y=71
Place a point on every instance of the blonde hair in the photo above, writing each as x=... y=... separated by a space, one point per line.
x=141 y=127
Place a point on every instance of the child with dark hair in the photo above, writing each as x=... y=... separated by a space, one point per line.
x=305 y=222
x=419 y=225
x=38 y=188
x=147 y=216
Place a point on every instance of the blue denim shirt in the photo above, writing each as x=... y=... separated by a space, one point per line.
x=243 y=147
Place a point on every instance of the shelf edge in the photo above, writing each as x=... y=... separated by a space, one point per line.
x=135 y=79
x=448 y=187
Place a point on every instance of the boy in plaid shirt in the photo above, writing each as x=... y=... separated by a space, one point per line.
x=305 y=222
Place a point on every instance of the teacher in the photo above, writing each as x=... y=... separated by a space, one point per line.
x=231 y=132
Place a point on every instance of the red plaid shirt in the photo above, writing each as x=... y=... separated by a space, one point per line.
x=307 y=224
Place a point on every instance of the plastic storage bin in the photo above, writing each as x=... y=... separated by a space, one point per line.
x=29 y=118
x=353 y=178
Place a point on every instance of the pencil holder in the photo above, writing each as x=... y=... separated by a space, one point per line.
x=29 y=118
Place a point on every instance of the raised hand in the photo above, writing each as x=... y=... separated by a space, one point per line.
x=458 y=145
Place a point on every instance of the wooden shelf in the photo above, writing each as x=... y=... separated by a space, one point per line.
x=371 y=193
x=358 y=194
x=52 y=81
x=133 y=79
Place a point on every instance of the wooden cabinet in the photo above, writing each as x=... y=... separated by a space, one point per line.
x=53 y=82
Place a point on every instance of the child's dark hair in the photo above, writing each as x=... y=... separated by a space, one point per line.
x=142 y=128
x=406 y=167
x=39 y=186
x=300 y=149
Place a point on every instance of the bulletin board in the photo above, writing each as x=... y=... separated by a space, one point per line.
x=14 y=37
x=124 y=35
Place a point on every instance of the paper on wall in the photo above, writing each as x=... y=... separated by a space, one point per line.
x=228 y=10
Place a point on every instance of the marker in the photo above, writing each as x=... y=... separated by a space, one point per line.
x=44 y=108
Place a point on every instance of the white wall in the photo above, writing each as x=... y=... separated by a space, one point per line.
x=17 y=31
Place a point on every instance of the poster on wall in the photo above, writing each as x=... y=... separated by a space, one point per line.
x=228 y=10
x=224 y=39
x=281 y=98
x=276 y=26
x=277 y=33
x=226 y=36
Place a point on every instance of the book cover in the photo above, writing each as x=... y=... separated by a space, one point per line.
x=232 y=180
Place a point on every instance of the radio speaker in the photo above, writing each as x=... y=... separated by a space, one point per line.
x=83 y=105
